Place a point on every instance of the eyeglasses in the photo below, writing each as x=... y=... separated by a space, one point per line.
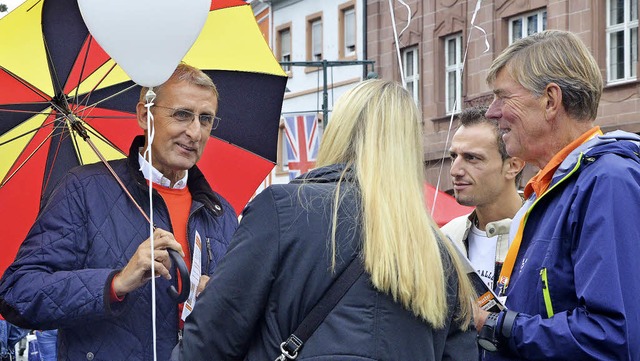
x=185 y=117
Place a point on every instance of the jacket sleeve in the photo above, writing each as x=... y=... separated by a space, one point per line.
x=46 y=285
x=605 y=245
x=224 y=319
x=459 y=345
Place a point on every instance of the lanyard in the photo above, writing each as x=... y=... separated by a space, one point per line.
x=512 y=254
x=514 y=249
x=510 y=260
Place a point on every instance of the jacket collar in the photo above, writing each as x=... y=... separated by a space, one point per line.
x=617 y=142
x=327 y=174
x=198 y=186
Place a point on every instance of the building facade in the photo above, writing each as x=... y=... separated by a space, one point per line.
x=320 y=46
x=446 y=47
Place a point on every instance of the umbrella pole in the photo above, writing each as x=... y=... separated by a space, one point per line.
x=176 y=259
x=82 y=131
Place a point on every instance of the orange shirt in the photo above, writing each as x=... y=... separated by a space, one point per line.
x=540 y=182
x=179 y=204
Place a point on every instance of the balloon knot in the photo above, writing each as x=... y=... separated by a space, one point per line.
x=150 y=97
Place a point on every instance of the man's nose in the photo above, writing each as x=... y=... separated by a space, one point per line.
x=494 y=111
x=194 y=129
x=456 y=168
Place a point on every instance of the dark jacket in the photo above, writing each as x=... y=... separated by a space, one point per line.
x=581 y=244
x=278 y=267
x=86 y=232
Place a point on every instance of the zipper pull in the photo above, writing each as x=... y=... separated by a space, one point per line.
x=209 y=252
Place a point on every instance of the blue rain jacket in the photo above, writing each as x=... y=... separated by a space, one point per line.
x=584 y=234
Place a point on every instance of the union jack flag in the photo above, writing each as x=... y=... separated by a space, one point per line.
x=301 y=132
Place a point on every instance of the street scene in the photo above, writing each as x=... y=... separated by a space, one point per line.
x=339 y=179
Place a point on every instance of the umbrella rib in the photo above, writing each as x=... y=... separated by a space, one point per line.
x=88 y=107
x=111 y=96
x=108 y=117
x=86 y=96
x=54 y=73
x=8 y=178
x=84 y=63
x=105 y=139
x=25 y=83
x=65 y=130
x=26 y=133
x=23 y=111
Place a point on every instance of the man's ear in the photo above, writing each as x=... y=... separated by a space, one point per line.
x=141 y=115
x=513 y=166
x=553 y=96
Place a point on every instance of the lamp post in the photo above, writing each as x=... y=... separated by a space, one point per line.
x=324 y=64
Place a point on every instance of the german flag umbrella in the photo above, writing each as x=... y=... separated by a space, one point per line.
x=50 y=67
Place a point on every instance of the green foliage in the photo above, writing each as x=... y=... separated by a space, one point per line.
x=3 y=8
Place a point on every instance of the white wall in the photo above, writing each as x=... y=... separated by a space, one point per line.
x=305 y=88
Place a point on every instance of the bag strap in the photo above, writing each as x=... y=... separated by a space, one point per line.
x=329 y=300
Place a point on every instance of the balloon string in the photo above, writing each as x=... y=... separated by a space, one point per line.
x=455 y=104
x=408 y=17
x=150 y=97
x=395 y=36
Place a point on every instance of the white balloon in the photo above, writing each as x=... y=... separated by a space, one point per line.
x=147 y=38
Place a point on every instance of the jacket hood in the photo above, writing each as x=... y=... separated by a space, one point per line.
x=618 y=142
x=328 y=174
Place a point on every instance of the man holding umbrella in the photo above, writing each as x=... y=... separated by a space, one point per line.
x=85 y=265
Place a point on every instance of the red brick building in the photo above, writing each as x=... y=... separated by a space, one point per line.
x=438 y=33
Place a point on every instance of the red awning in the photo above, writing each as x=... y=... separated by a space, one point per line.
x=446 y=209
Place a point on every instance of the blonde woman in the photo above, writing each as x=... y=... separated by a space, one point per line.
x=364 y=201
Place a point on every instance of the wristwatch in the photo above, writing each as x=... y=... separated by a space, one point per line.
x=491 y=333
x=488 y=338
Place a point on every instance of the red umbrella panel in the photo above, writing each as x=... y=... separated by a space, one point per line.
x=53 y=72
x=446 y=207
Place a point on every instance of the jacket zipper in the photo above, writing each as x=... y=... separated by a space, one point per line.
x=545 y=281
x=545 y=292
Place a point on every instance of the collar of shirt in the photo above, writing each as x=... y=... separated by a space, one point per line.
x=159 y=178
x=541 y=181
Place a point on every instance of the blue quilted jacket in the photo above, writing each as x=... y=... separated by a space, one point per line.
x=85 y=233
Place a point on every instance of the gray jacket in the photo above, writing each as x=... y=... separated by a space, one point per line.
x=458 y=231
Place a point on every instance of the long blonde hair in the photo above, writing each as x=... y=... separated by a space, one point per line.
x=375 y=129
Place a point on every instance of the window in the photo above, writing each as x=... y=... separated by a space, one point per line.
x=314 y=38
x=453 y=73
x=411 y=71
x=622 y=40
x=283 y=45
x=347 y=30
x=527 y=24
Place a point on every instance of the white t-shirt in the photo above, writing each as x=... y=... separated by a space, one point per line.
x=482 y=254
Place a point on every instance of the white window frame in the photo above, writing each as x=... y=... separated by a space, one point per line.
x=541 y=24
x=285 y=55
x=411 y=61
x=628 y=27
x=349 y=29
x=453 y=67
x=315 y=27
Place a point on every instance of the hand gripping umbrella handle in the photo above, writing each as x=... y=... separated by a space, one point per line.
x=183 y=273
x=176 y=259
